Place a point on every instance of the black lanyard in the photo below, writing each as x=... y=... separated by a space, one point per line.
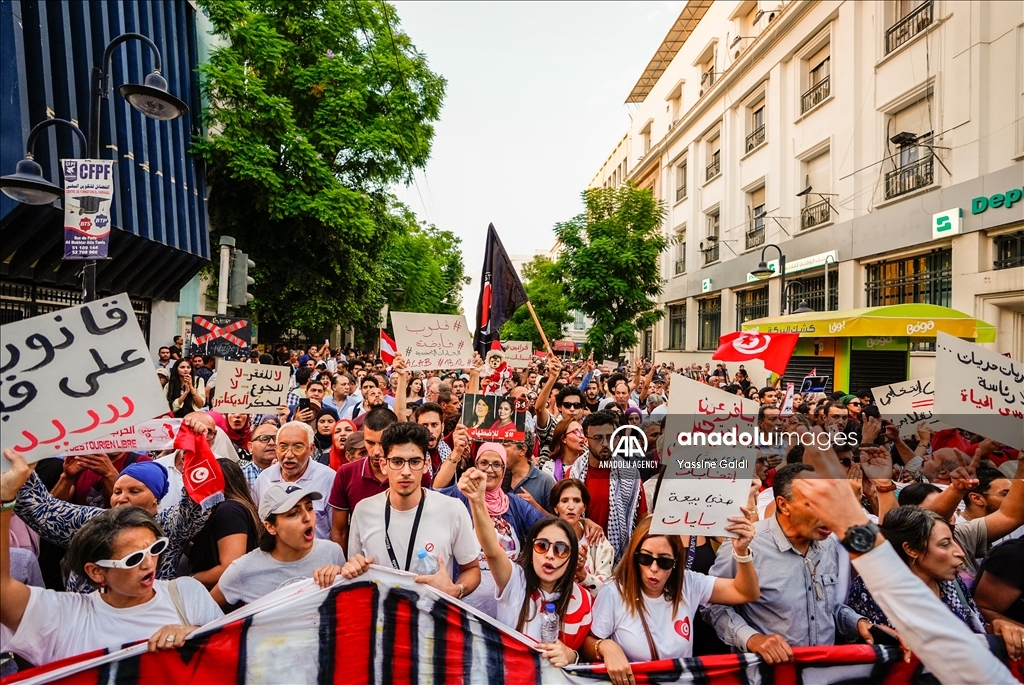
x=412 y=536
x=691 y=552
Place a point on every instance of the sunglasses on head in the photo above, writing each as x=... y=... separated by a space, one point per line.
x=136 y=558
x=664 y=563
x=541 y=546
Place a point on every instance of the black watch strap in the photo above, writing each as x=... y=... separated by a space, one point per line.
x=861 y=539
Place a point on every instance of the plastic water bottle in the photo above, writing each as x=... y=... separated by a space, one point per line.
x=425 y=564
x=549 y=624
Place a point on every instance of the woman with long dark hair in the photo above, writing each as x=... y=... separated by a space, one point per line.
x=481 y=414
x=230 y=532
x=505 y=411
x=543 y=575
x=184 y=391
x=567 y=445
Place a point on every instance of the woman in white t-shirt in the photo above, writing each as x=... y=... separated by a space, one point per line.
x=647 y=613
x=118 y=553
x=544 y=574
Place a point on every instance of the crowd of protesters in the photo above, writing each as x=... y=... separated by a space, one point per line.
x=371 y=464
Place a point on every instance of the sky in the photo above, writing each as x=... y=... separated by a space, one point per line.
x=533 y=107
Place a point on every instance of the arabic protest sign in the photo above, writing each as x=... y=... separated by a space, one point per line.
x=518 y=353
x=494 y=418
x=226 y=337
x=787 y=401
x=979 y=390
x=88 y=190
x=700 y=491
x=244 y=388
x=74 y=375
x=908 y=403
x=155 y=435
x=433 y=341
x=694 y=407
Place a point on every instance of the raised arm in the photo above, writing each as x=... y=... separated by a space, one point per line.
x=54 y=520
x=743 y=587
x=401 y=402
x=647 y=385
x=15 y=593
x=473 y=485
x=446 y=473
x=541 y=405
x=473 y=387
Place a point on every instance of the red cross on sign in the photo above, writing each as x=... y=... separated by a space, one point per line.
x=218 y=332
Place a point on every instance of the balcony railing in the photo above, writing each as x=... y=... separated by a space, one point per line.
x=755 y=138
x=715 y=167
x=909 y=178
x=815 y=215
x=815 y=95
x=755 y=235
x=680 y=192
x=1009 y=251
x=908 y=27
x=710 y=254
x=680 y=266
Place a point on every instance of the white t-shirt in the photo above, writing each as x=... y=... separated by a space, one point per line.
x=62 y=624
x=445 y=531
x=174 y=482
x=578 y=616
x=673 y=635
x=258 y=573
x=317 y=477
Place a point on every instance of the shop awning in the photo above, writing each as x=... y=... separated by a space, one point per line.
x=911 y=320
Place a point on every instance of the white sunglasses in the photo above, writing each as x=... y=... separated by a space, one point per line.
x=136 y=558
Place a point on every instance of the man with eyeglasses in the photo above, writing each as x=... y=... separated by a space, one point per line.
x=294 y=447
x=523 y=478
x=262 y=451
x=395 y=525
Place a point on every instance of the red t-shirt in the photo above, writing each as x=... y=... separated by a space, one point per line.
x=598 y=481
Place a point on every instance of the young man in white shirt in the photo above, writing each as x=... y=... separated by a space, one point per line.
x=389 y=528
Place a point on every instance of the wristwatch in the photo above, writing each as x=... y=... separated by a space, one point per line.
x=861 y=539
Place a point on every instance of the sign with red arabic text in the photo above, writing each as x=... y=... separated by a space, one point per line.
x=155 y=435
x=244 y=388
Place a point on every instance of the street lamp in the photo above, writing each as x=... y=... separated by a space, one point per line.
x=762 y=272
x=27 y=184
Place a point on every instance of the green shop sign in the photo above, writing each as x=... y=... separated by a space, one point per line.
x=1007 y=199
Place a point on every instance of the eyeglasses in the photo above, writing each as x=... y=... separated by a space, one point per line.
x=136 y=558
x=496 y=467
x=600 y=438
x=572 y=405
x=415 y=464
x=847 y=462
x=541 y=546
x=265 y=438
x=294 y=449
x=575 y=431
x=664 y=563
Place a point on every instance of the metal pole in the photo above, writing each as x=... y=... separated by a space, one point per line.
x=96 y=94
x=782 y=276
x=227 y=243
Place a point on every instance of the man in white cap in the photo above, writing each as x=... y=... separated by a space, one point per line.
x=288 y=549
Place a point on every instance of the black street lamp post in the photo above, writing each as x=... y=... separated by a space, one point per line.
x=762 y=272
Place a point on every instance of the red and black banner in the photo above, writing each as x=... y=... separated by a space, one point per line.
x=501 y=293
x=227 y=337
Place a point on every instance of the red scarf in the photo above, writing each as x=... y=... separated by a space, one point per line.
x=204 y=481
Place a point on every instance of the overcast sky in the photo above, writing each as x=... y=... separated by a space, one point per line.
x=534 y=105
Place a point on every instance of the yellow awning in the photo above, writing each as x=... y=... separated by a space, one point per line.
x=911 y=320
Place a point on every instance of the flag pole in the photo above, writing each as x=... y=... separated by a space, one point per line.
x=536 y=322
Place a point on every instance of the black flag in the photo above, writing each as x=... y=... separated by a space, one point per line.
x=501 y=293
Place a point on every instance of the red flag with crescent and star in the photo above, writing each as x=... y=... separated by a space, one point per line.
x=774 y=349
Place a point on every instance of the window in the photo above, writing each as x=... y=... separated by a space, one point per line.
x=1009 y=250
x=579 y=322
x=710 y=248
x=714 y=167
x=911 y=18
x=751 y=304
x=912 y=161
x=680 y=267
x=755 y=231
x=677 y=326
x=645 y=139
x=709 y=326
x=812 y=291
x=756 y=135
x=819 y=81
x=816 y=210
x=681 y=180
x=925 y=279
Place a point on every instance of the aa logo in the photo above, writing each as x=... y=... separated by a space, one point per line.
x=629 y=442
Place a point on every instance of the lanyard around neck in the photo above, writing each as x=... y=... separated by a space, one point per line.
x=412 y=535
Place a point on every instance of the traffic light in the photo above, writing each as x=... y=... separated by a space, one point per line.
x=240 y=280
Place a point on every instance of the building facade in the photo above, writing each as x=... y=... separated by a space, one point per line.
x=880 y=141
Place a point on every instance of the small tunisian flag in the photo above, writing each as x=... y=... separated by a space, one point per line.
x=387 y=348
x=773 y=349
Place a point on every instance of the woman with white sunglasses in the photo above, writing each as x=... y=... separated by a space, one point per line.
x=117 y=552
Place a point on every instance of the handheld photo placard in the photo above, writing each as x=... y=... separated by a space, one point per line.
x=494 y=418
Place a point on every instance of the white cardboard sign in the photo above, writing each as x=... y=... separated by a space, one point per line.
x=518 y=353
x=909 y=403
x=700 y=491
x=244 y=388
x=433 y=341
x=155 y=435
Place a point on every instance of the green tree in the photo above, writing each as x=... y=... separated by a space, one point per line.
x=610 y=265
x=316 y=108
x=549 y=301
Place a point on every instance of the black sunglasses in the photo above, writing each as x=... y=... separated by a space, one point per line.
x=664 y=563
x=572 y=405
x=847 y=462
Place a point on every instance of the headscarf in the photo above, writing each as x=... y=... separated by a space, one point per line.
x=238 y=438
x=324 y=442
x=338 y=455
x=632 y=410
x=151 y=474
x=495 y=499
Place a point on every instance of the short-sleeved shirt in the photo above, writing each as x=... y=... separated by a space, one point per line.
x=539 y=484
x=316 y=477
x=62 y=624
x=355 y=481
x=258 y=573
x=228 y=518
x=672 y=633
x=578 y=615
x=1006 y=562
x=972 y=536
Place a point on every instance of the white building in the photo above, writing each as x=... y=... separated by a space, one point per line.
x=835 y=130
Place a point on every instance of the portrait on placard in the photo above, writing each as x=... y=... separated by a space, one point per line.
x=494 y=417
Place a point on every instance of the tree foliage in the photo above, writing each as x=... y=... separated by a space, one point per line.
x=610 y=265
x=549 y=301
x=316 y=108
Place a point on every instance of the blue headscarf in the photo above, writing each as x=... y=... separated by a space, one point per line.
x=150 y=474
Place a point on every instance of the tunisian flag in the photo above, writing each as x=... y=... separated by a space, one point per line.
x=387 y=348
x=774 y=349
x=501 y=293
